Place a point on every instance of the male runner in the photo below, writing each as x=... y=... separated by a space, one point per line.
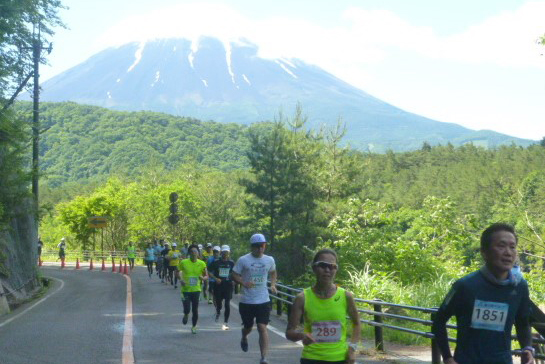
x=212 y=281
x=221 y=270
x=486 y=304
x=158 y=247
x=131 y=254
x=166 y=263
x=251 y=271
x=205 y=254
x=174 y=256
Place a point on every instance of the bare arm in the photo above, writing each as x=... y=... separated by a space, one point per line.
x=295 y=317
x=273 y=276
x=356 y=325
x=238 y=279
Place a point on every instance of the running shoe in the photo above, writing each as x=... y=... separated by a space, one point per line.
x=263 y=361
x=217 y=317
x=244 y=344
x=184 y=320
x=194 y=330
x=209 y=301
x=225 y=327
x=175 y=286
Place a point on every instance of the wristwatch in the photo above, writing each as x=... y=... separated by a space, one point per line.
x=353 y=346
x=530 y=349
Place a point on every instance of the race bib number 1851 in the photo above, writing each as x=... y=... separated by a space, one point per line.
x=489 y=315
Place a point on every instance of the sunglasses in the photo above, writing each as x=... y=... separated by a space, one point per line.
x=324 y=265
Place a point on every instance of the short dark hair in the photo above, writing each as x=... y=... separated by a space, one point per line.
x=486 y=236
x=324 y=251
x=193 y=246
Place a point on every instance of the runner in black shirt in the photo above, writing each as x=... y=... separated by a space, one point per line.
x=221 y=270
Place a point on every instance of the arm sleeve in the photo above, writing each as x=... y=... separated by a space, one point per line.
x=445 y=312
x=522 y=319
x=238 y=266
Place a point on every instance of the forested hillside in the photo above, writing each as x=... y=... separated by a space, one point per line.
x=404 y=224
x=82 y=142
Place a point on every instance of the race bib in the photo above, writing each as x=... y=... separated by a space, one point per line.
x=224 y=272
x=326 y=331
x=259 y=280
x=489 y=315
x=193 y=281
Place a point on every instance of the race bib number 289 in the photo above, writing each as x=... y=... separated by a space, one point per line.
x=326 y=331
x=489 y=315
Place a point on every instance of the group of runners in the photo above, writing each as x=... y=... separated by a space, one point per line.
x=486 y=303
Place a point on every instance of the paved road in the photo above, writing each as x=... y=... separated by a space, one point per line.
x=82 y=319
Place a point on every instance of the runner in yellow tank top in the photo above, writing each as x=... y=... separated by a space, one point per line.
x=324 y=308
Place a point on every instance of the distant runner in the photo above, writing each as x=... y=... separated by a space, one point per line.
x=174 y=256
x=251 y=271
x=166 y=263
x=207 y=253
x=149 y=258
x=324 y=308
x=221 y=270
x=158 y=247
x=131 y=254
x=191 y=272
x=211 y=280
x=486 y=304
x=62 y=249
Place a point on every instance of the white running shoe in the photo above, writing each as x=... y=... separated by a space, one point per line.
x=225 y=327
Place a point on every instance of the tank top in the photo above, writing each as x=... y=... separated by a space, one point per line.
x=325 y=319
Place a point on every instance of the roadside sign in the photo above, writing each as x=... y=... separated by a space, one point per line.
x=97 y=221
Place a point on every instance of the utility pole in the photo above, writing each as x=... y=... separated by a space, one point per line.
x=36 y=55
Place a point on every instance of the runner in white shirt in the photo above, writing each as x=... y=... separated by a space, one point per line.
x=252 y=271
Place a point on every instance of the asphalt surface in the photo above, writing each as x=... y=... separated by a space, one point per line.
x=82 y=320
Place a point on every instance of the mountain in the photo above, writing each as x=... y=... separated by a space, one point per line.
x=228 y=82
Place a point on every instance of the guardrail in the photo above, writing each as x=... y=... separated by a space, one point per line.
x=286 y=295
x=88 y=254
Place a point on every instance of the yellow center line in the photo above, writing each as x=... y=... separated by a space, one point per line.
x=128 y=355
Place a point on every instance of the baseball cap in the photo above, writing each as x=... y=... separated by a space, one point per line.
x=216 y=248
x=200 y=246
x=225 y=248
x=174 y=244
x=257 y=239
x=208 y=245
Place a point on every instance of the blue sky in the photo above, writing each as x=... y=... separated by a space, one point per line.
x=474 y=63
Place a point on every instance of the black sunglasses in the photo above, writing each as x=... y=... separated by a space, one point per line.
x=325 y=265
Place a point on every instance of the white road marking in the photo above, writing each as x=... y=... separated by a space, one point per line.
x=34 y=305
x=128 y=354
x=271 y=328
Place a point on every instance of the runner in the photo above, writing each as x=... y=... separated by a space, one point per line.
x=324 y=308
x=190 y=272
x=166 y=263
x=221 y=270
x=174 y=256
x=207 y=253
x=149 y=258
x=131 y=254
x=486 y=303
x=251 y=271
x=211 y=281
x=159 y=246
x=62 y=249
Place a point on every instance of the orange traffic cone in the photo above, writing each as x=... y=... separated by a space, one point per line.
x=62 y=263
x=77 y=263
x=91 y=264
x=103 y=265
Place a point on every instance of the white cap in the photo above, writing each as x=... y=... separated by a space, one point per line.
x=216 y=248
x=257 y=239
x=225 y=248
x=174 y=244
x=208 y=245
x=200 y=246
x=63 y=239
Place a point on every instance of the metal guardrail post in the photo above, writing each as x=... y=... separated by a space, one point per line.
x=278 y=303
x=379 y=340
x=435 y=352
x=289 y=299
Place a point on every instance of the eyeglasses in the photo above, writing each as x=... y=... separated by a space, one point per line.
x=324 y=265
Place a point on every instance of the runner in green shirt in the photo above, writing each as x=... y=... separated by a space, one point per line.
x=131 y=254
x=191 y=273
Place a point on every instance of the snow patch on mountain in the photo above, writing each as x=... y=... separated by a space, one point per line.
x=285 y=68
x=246 y=79
x=227 y=47
x=205 y=82
x=137 y=56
